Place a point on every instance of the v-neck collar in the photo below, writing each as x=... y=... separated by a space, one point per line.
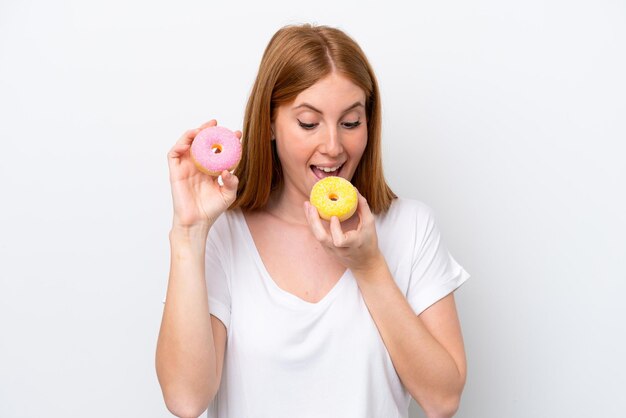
x=281 y=294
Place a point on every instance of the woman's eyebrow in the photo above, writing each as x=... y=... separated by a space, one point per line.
x=313 y=108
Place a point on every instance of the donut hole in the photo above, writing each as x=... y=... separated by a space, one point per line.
x=333 y=197
x=216 y=148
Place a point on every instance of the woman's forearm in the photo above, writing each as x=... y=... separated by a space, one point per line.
x=428 y=371
x=186 y=356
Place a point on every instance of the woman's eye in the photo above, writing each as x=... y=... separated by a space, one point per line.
x=351 y=125
x=307 y=125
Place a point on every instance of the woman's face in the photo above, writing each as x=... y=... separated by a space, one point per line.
x=322 y=133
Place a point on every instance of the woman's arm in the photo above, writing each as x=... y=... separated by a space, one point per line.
x=190 y=348
x=426 y=350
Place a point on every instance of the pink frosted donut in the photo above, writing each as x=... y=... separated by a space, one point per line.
x=215 y=149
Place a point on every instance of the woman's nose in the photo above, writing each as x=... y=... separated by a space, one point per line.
x=332 y=145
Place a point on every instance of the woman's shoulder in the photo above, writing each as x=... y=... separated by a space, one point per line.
x=406 y=210
x=225 y=227
x=403 y=228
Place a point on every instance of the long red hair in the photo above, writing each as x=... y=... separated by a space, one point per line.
x=296 y=58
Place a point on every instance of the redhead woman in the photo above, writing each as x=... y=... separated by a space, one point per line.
x=274 y=312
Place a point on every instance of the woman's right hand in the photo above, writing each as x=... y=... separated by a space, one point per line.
x=198 y=198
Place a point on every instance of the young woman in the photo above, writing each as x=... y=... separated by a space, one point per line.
x=306 y=318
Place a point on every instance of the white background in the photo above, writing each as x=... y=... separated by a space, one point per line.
x=507 y=118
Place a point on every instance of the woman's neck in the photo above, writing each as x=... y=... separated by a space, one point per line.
x=288 y=207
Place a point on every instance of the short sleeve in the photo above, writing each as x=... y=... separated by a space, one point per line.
x=215 y=272
x=434 y=272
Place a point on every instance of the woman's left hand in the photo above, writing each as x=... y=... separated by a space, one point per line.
x=357 y=249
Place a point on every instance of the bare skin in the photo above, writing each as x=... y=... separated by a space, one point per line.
x=191 y=343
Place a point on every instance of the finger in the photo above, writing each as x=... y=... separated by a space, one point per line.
x=230 y=180
x=316 y=224
x=339 y=238
x=344 y=239
x=239 y=134
x=187 y=137
x=364 y=212
x=182 y=145
x=180 y=148
x=212 y=122
x=229 y=190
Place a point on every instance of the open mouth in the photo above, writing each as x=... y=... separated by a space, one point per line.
x=322 y=172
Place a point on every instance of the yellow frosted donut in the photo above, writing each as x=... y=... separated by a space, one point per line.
x=334 y=196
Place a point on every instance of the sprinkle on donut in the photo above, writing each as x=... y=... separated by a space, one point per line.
x=215 y=149
x=334 y=196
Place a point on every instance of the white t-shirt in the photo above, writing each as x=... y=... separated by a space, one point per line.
x=286 y=357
